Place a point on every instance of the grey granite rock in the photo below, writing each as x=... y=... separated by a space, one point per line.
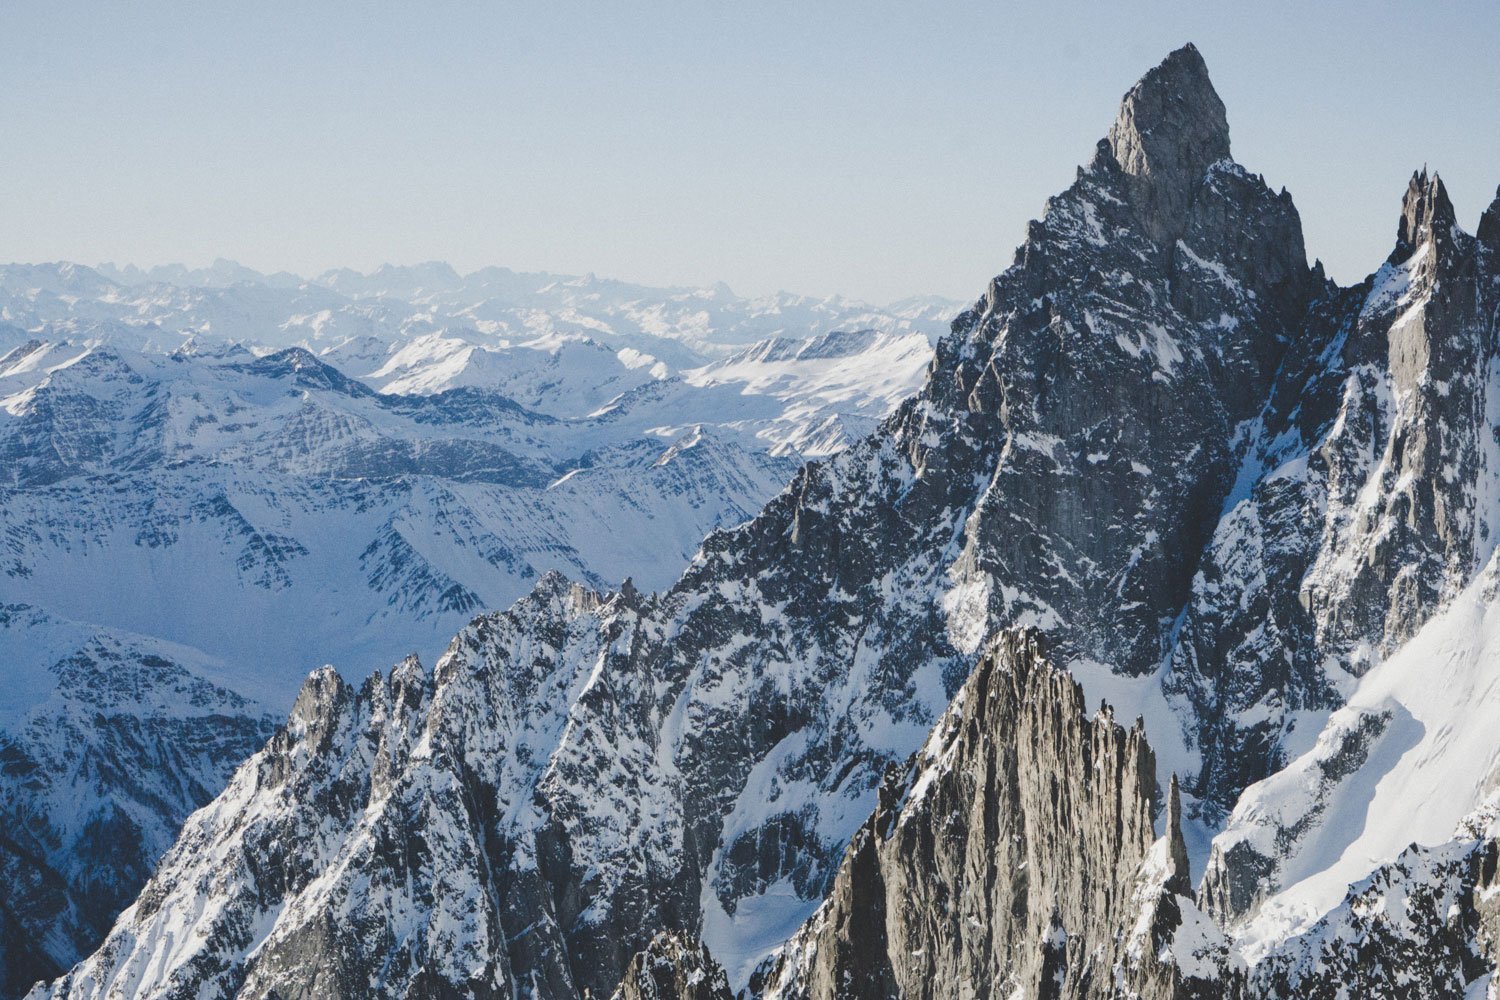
x=1013 y=856
x=673 y=968
x=1170 y=130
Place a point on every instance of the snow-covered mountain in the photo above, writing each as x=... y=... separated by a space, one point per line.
x=108 y=741
x=1248 y=507
x=218 y=516
x=376 y=314
x=835 y=387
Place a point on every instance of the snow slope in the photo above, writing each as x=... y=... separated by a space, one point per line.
x=1428 y=760
x=834 y=388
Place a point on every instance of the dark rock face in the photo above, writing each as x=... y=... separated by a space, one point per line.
x=1488 y=232
x=1118 y=409
x=991 y=868
x=671 y=968
x=1171 y=129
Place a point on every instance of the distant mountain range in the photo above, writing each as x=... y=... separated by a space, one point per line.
x=213 y=481
x=364 y=315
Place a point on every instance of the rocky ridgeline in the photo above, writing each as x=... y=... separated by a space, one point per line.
x=1014 y=855
x=672 y=968
x=1204 y=471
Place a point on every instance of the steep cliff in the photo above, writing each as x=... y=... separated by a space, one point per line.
x=1013 y=855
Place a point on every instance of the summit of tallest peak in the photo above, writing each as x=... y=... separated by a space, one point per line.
x=1173 y=112
x=1170 y=129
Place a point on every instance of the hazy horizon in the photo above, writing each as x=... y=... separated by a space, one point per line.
x=106 y=266
x=875 y=152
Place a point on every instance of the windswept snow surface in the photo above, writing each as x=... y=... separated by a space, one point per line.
x=1429 y=767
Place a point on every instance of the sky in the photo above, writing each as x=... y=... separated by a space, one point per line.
x=872 y=149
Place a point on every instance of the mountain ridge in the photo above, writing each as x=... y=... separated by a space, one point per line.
x=218 y=486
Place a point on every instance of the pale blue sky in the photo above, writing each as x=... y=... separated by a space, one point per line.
x=876 y=149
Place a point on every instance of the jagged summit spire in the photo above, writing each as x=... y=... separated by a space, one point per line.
x=1426 y=213
x=1489 y=224
x=1180 y=880
x=1170 y=129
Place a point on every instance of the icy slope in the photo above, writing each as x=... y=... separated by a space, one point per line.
x=279 y=487
x=1407 y=758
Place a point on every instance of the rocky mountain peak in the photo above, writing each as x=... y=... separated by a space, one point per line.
x=673 y=967
x=1489 y=224
x=315 y=712
x=1170 y=129
x=1180 y=880
x=1017 y=816
x=1426 y=214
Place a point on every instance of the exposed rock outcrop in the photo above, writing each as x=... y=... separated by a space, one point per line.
x=672 y=968
x=1014 y=855
x=1170 y=130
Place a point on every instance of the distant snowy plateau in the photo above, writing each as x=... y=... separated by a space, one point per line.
x=1137 y=639
x=213 y=481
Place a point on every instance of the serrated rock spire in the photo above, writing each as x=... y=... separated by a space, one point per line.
x=1180 y=881
x=1426 y=213
x=1170 y=129
x=1489 y=224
